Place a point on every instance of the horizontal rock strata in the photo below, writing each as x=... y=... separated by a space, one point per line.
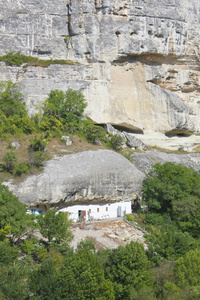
x=138 y=61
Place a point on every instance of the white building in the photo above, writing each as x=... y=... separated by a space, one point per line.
x=35 y=211
x=87 y=212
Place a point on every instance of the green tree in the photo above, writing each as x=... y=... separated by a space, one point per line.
x=83 y=277
x=168 y=242
x=128 y=268
x=55 y=227
x=13 y=214
x=7 y=253
x=11 y=100
x=187 y=269
x=69 y=105
x=13 y=281
x=167 y=183
x=43 y=281
x=173 y=191
x=9 y=161
x=187 y=213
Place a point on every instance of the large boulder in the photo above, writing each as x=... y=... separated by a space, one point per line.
x=85 y=177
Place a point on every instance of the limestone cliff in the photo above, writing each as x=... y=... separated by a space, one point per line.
x=138 y=61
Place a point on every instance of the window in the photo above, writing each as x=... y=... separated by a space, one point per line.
x=33 y=211
x=97 y=209
x=90 y=211
x=106 y=208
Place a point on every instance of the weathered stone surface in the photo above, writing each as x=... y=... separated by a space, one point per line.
x=139 y=66
x=94 y=176
x=15 y=144
x=134 y=142
x=34 y=27
x=97 y=176
x=110 y=129
x=67 y=140
x=144 y=161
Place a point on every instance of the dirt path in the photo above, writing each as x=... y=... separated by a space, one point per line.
x=107 y=234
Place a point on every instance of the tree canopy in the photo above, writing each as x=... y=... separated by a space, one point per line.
x=67 y=105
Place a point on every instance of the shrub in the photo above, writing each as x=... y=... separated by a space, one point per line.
x=13 y=58
x=129 y=218
x=36 y=158
x=93 y=132
x=129 y=155
x=69 y=105
x=20 y=169
x=116 y=142
x=11 y=100
x=169 y=183
x=9 y=161
x=50 y=123
x=154 y=218
x=37 y=144
x=7 y=253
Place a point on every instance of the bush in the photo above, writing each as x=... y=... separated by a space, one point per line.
x=93 y=132
x=11 y=100
x=7 y=253
x=12 y=58
x=50 y=123
x=36 y=159
x=9 y=161
x=129 y=218
x=20 y=169
x=154 y=218
x=69 y=105
x=169 y=183
x=116 y=142
x=37 y=144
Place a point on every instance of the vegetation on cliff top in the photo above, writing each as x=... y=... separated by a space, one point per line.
x=62 y=113
x=13 y=58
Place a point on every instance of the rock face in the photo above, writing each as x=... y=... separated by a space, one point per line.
x=144 y=161
x=138 y=60
x=94 y=177
x=97 y=176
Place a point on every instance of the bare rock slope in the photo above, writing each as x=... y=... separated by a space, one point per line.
x=90 y=176
x=94 y=177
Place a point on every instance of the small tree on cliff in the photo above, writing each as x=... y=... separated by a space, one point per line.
x=68 y=106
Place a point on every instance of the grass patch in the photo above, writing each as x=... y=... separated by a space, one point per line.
x=54 y=147
x=13 y=58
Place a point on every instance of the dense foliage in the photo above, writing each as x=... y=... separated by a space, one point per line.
x=47 y=268
x=173 y=191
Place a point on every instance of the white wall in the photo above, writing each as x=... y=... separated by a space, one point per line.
x=98 y=211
